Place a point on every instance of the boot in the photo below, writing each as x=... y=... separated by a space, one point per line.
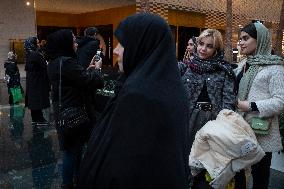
x=67 y=186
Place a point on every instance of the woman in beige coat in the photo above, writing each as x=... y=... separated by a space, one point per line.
x=261 y=93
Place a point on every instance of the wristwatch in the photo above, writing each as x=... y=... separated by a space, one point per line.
x=249 y=107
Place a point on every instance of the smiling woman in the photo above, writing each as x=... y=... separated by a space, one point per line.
x=209 y=82
x=265 y=102
x=209 y=43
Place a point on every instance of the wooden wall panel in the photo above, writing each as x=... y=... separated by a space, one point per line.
x=186 y=18
x=57 y=19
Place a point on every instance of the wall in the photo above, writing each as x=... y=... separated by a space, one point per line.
x=105 y=17
x=57 y=19
x=17 y=21
x=188 y=19
x=243 y=12
x=109 y=16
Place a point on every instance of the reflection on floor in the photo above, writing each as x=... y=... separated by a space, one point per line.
x=30 y=157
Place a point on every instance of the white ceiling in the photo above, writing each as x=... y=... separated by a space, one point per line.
x=79 y=6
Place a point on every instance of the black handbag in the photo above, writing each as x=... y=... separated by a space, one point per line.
x=71 y=117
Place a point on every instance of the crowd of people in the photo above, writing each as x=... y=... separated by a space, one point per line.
x=155 y=132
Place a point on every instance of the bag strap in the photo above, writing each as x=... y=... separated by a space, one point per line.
x=60 y=79
x=60 y=84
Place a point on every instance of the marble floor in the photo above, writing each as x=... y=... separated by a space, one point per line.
x=30 y=156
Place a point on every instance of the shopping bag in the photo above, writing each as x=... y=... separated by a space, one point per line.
x=16 y=94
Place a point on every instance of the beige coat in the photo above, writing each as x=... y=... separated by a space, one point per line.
x=223 y=147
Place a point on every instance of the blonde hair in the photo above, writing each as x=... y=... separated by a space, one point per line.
x=217 y=38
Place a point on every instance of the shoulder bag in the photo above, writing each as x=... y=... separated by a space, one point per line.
x=70 y=117
x=260 y=126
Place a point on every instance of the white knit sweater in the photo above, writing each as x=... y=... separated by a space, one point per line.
x=267 y=91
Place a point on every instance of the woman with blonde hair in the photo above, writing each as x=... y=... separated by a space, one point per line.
x=210 y=85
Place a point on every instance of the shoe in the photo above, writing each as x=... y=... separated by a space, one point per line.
x=40 y=123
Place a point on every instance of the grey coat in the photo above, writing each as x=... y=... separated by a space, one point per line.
x=220 y=88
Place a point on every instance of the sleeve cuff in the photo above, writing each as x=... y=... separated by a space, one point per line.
x=253 y=106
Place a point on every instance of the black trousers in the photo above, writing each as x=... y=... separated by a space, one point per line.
x=261 y=172
x=37 y=116
x=240 y=180
x=199 y=181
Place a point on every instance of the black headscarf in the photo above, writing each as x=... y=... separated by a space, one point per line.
x=140 y=140
x=60 y=43
x=30 y=44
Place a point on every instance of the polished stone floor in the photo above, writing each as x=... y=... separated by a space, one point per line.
x=30 y=156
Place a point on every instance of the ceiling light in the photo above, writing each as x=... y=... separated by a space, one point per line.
x=28 y=3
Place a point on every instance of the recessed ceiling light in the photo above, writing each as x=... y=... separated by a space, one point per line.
x=28 y=3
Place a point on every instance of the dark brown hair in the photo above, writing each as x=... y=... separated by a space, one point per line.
x=251 y=30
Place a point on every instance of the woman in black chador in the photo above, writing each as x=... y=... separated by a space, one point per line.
x=141 y=140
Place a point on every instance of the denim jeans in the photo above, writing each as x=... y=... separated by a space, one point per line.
x=71 y=165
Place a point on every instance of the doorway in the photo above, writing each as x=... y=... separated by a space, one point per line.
x=184 y=34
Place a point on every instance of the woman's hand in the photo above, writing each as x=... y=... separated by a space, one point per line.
x=243 y=105
x=97 y=64
x=91 y=67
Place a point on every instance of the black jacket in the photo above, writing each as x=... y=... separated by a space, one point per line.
x=87 y=48
x=37 y=82
x=12 y=70
x=75 y=80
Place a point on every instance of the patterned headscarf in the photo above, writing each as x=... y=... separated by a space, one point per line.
x=214 y=64
x=30 y=44
x=262 y=57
